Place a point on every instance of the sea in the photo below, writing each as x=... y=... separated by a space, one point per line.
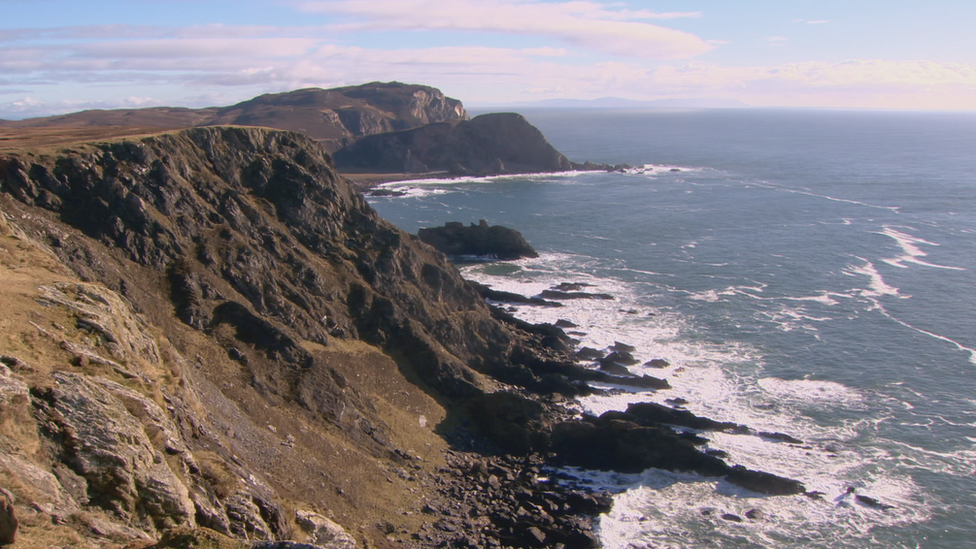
x=808 y=272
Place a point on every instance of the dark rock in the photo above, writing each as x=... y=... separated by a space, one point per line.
x=620 y=357
x=556 y=294
x=511 y=297
x=780 y=437
x=561 y=323
x=731 y=518
x=614 y=368
x=8 y=519
x=481 y=240
x=615 y=444
x=764 y=483
x=386 y=192
x=649 y=413
x=571 y=286
x=622 y=347
x=588 y=353
x=755 y=514
x=873 y=503
x=485 y=145
x=657 y=363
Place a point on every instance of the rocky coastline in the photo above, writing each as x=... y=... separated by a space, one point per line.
x=210 y=333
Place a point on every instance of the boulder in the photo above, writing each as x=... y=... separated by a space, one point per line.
x=324 y=532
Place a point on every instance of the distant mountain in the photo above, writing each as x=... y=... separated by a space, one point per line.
x=621 y=103
x=335 y=116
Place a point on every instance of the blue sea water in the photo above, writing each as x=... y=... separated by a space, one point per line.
x=805 y=272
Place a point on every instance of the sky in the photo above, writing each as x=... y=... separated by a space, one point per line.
x=60 y=56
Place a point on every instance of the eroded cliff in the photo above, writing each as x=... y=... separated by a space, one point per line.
x=211 y=328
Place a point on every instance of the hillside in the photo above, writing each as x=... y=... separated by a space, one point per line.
x=333 y=116
x=211 y=328
x=494 y=144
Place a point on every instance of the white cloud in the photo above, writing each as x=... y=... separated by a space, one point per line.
x=219 y=64
x=586 y=25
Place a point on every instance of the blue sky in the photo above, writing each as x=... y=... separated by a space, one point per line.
x=64 y=55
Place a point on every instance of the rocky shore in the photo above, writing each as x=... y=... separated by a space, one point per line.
x=210 y=333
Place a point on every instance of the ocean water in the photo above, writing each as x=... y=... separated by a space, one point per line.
x=804 y=272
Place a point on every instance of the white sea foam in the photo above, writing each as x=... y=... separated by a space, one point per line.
x=877 y=286
x=446 y=181
x=808 y=192
x=910 y=250
x=723 y=381
x=656 y=170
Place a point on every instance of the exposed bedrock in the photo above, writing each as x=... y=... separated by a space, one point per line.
x=212 y=287
x=481 y=240
x=489 y=144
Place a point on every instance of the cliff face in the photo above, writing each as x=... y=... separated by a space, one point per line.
x=211 y=328
x=334 y=116
x=226 y=327
x=496 y=143
x=340 y=114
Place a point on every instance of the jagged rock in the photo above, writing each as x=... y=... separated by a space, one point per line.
x=650 y=413
x=48 y=494
x=556 y=294
x=481 y=240
x=764 y=483
x=109 y=447
x=615 y=444
x=620 y=357
x=103 y=313
x=324 y=532
x=780 y=437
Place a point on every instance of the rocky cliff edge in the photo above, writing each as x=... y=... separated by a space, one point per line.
x=210 y=328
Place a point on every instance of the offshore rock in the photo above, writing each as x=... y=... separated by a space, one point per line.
x=481 y=240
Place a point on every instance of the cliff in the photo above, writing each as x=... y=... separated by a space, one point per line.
x=210 y=328
x=335 y=116
x=493 y=144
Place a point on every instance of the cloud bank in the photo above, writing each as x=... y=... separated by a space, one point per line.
x=512 y=51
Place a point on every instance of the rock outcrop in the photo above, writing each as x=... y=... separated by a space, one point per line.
x=490 y=144
x=481 y=240
x=209 y=329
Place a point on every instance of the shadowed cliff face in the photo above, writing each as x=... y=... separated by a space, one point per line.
x=255 y=230
x=488 y=144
